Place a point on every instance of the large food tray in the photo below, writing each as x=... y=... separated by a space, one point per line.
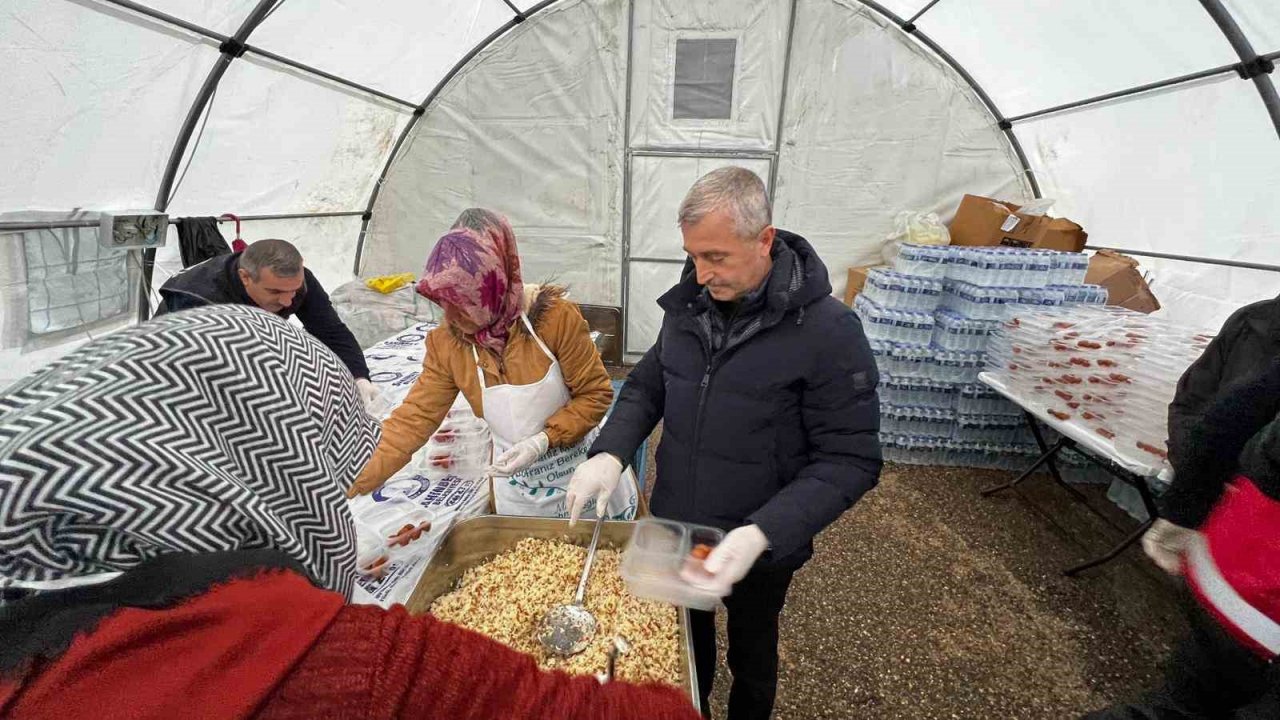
x=473 y=541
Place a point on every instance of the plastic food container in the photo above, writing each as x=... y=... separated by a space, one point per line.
x=663 y=561
x=386 y=532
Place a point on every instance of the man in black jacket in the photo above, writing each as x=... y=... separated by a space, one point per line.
x=269 y=275
x=767 y=391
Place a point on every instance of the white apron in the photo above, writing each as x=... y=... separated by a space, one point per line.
x=515 y=412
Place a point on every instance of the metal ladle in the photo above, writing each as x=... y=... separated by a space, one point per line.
x=567 y=629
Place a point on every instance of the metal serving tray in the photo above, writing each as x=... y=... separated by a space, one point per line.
x=473 y=541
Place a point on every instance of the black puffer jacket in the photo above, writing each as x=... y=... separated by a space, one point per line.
x=217 y=282
x=1247 y=342
x=778 y=426
x=1238 y=434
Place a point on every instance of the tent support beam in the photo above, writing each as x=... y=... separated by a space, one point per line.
x=201 y=102
x=664 y=261
x=680 y=152
x=14 y=227
x=199 y=106
x=1248 y=56
x=1191 y=259
x=230 y=44
x=1158 y=85
x=911 y=22
x=1001 y=122
x=421 y=110
x=350 y=84
x=514 y=9
x=624 y=304
x=168 y=19
x=782 y=105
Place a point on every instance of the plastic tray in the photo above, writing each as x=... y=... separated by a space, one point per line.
x=660 y=562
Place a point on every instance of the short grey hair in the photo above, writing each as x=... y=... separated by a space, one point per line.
x=280 y=256
x=735 y=190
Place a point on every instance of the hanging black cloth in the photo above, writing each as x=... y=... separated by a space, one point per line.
x=199 y=240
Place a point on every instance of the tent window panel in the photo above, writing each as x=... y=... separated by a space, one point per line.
x=704 y=78
x=72 y=281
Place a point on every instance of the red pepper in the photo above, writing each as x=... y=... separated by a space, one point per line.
x=1153 y=450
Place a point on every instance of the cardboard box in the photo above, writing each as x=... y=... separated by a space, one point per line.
x=857 y=280
x=1124 y=283
x=983 y=221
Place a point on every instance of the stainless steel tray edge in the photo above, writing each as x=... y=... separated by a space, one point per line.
x=477 y=539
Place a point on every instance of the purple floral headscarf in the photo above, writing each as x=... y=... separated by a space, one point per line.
x=476 y=269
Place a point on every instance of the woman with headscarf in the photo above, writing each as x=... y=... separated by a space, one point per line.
x=174 y=542
x=523 y=358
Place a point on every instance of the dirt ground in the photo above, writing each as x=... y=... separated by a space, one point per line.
x=929 y=601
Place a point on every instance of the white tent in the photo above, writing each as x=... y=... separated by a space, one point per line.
x=358 y=130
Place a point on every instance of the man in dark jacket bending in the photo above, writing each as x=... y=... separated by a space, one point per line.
x=269 y=275
x=767 y=391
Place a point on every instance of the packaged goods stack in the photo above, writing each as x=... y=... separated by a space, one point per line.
x=929 y=320
x=1111 y=371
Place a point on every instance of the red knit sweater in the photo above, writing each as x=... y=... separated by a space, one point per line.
x=275 y=647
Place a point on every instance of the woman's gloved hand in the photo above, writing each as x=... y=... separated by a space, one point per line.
x=732 y=559
x=367 y=392
x=596 y=478
x=1165 y=544
x=520 y=456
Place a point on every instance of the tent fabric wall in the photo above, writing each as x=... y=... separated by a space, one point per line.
x=760 y=29
x=1065 y=51
x=351 y=39
x=42 y=268
x=1149 y=192
x=875 y=126
x=326 y=243
x=536 y=124
x=94 y=96
x=648 y=282
x=532 y=129
x=658 y=185
x=277 y=141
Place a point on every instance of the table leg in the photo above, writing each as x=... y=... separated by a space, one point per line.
x=1047 y=457
x=1130 y=539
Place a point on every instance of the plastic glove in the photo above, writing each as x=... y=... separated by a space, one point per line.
x=1165 y=544
x=597 y=477
x=732 y=559
x=520 y=456
x=367 y=392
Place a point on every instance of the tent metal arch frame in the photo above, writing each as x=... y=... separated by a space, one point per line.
x=421 y=110
x=235 y=45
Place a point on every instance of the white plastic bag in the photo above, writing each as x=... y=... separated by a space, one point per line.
x=914 y=228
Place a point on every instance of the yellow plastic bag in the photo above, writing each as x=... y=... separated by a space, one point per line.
x=387 y=284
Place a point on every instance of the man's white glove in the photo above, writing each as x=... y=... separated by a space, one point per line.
x=520 y=456
x=367 y=392
x=732 y=559
x=1165 y=544
x=596 y=478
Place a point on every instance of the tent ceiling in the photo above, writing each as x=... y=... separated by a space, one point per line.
x=1033 y=55
x=106 y=91
x=350 y=38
